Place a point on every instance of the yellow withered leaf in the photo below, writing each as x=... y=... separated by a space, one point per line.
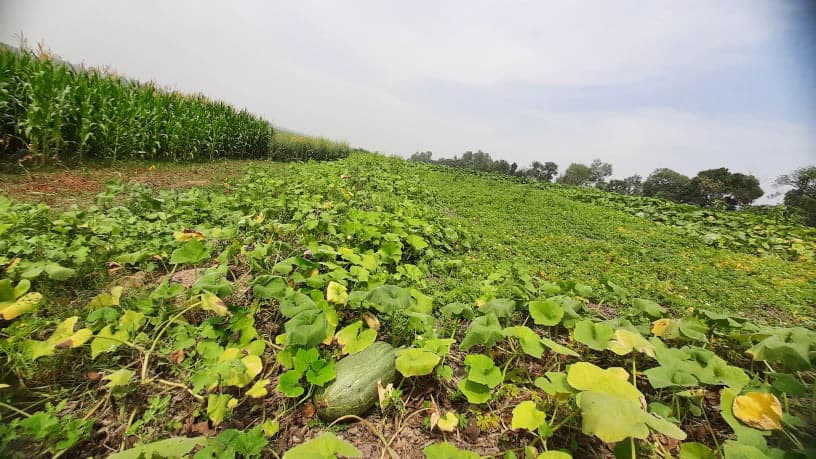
x=659 y=327
x=759 y=410
x=187 y=235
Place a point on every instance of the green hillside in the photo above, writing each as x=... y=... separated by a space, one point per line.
x=207 y=318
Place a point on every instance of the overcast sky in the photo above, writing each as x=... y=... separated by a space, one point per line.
x=640 y=84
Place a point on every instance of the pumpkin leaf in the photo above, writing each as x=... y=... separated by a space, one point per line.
x=106 y=299
x=118 y=378
x=745 y=434
x=610 y=417
x=336 y=293
x=595 y=335
x=210 y=302
x=320 y=372
x=625 y=341
x=416 y=362
x=554 y=383
x=169 y=447
x=527 y=416
x=191 y=252
x=546 y=312
x=353 y=339
x=58 y=272
x=529 y=340
x=448 y=423
x=447 y=451
x=19 y=305
x=258 y=390
x=326 y=446
x=559 y=348
x=389 y=298
x=217 y=405
x=482 y=330
x=64 y=337
x=501 y=307
x=665 y=427
x=648 y=307
x=307 y=329
x=694 y=450
x=458 y=309
x=289 y=384
x=759 y=410
x=482 y=370
x=788 y=346
x=474 y=392
x=614 y=381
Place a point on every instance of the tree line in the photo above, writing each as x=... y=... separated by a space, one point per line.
x=709 y=188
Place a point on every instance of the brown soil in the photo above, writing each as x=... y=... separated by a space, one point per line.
x=62 y=188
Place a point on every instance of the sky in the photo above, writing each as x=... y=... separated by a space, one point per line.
x=688 y=85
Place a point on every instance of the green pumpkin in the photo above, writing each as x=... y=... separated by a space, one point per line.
x=354 y=390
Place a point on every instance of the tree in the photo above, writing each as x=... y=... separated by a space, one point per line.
x=576 y=174
x=631 y=186
x=513 y=168
x=667 y=184
x=801 y=199
x=542 y=172
x=599 y=171
x=719 y=185
x=424 y=157
x=549 y=171
x=743 y=189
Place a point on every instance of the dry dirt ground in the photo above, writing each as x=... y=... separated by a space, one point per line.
x=61 y=188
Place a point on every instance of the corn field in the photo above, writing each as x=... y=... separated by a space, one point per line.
x=287 y=146
x=51 y=111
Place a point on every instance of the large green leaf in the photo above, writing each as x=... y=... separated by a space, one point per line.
x=482 y=330
x=596 y=335
x=447 y=451
x=527 y=416
x=169 y=447
x=353 y=338
x=482 y=370
x=585 y=376
x=307 y=329
x=326 y=446
x=416 y=362
x=529 y=340
x=648 y=307
x=546 y=312
x=788 y=346
x=501 y=307
x=389 y=298
x=611 y=418
x=191 y=252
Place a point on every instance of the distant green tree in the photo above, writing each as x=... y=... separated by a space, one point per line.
x=801 y=199
x=576 y=174
x=599 y=171
x=631 y=186
x=549 y=171
x=513 y=168
x=424 y=157
x=720 y=185
x=668 y=184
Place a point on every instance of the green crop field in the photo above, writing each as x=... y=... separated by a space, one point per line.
x=526 y=320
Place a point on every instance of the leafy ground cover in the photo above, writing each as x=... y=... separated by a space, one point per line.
x=174 y=321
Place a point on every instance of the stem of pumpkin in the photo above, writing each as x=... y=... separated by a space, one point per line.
x=156 y=340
